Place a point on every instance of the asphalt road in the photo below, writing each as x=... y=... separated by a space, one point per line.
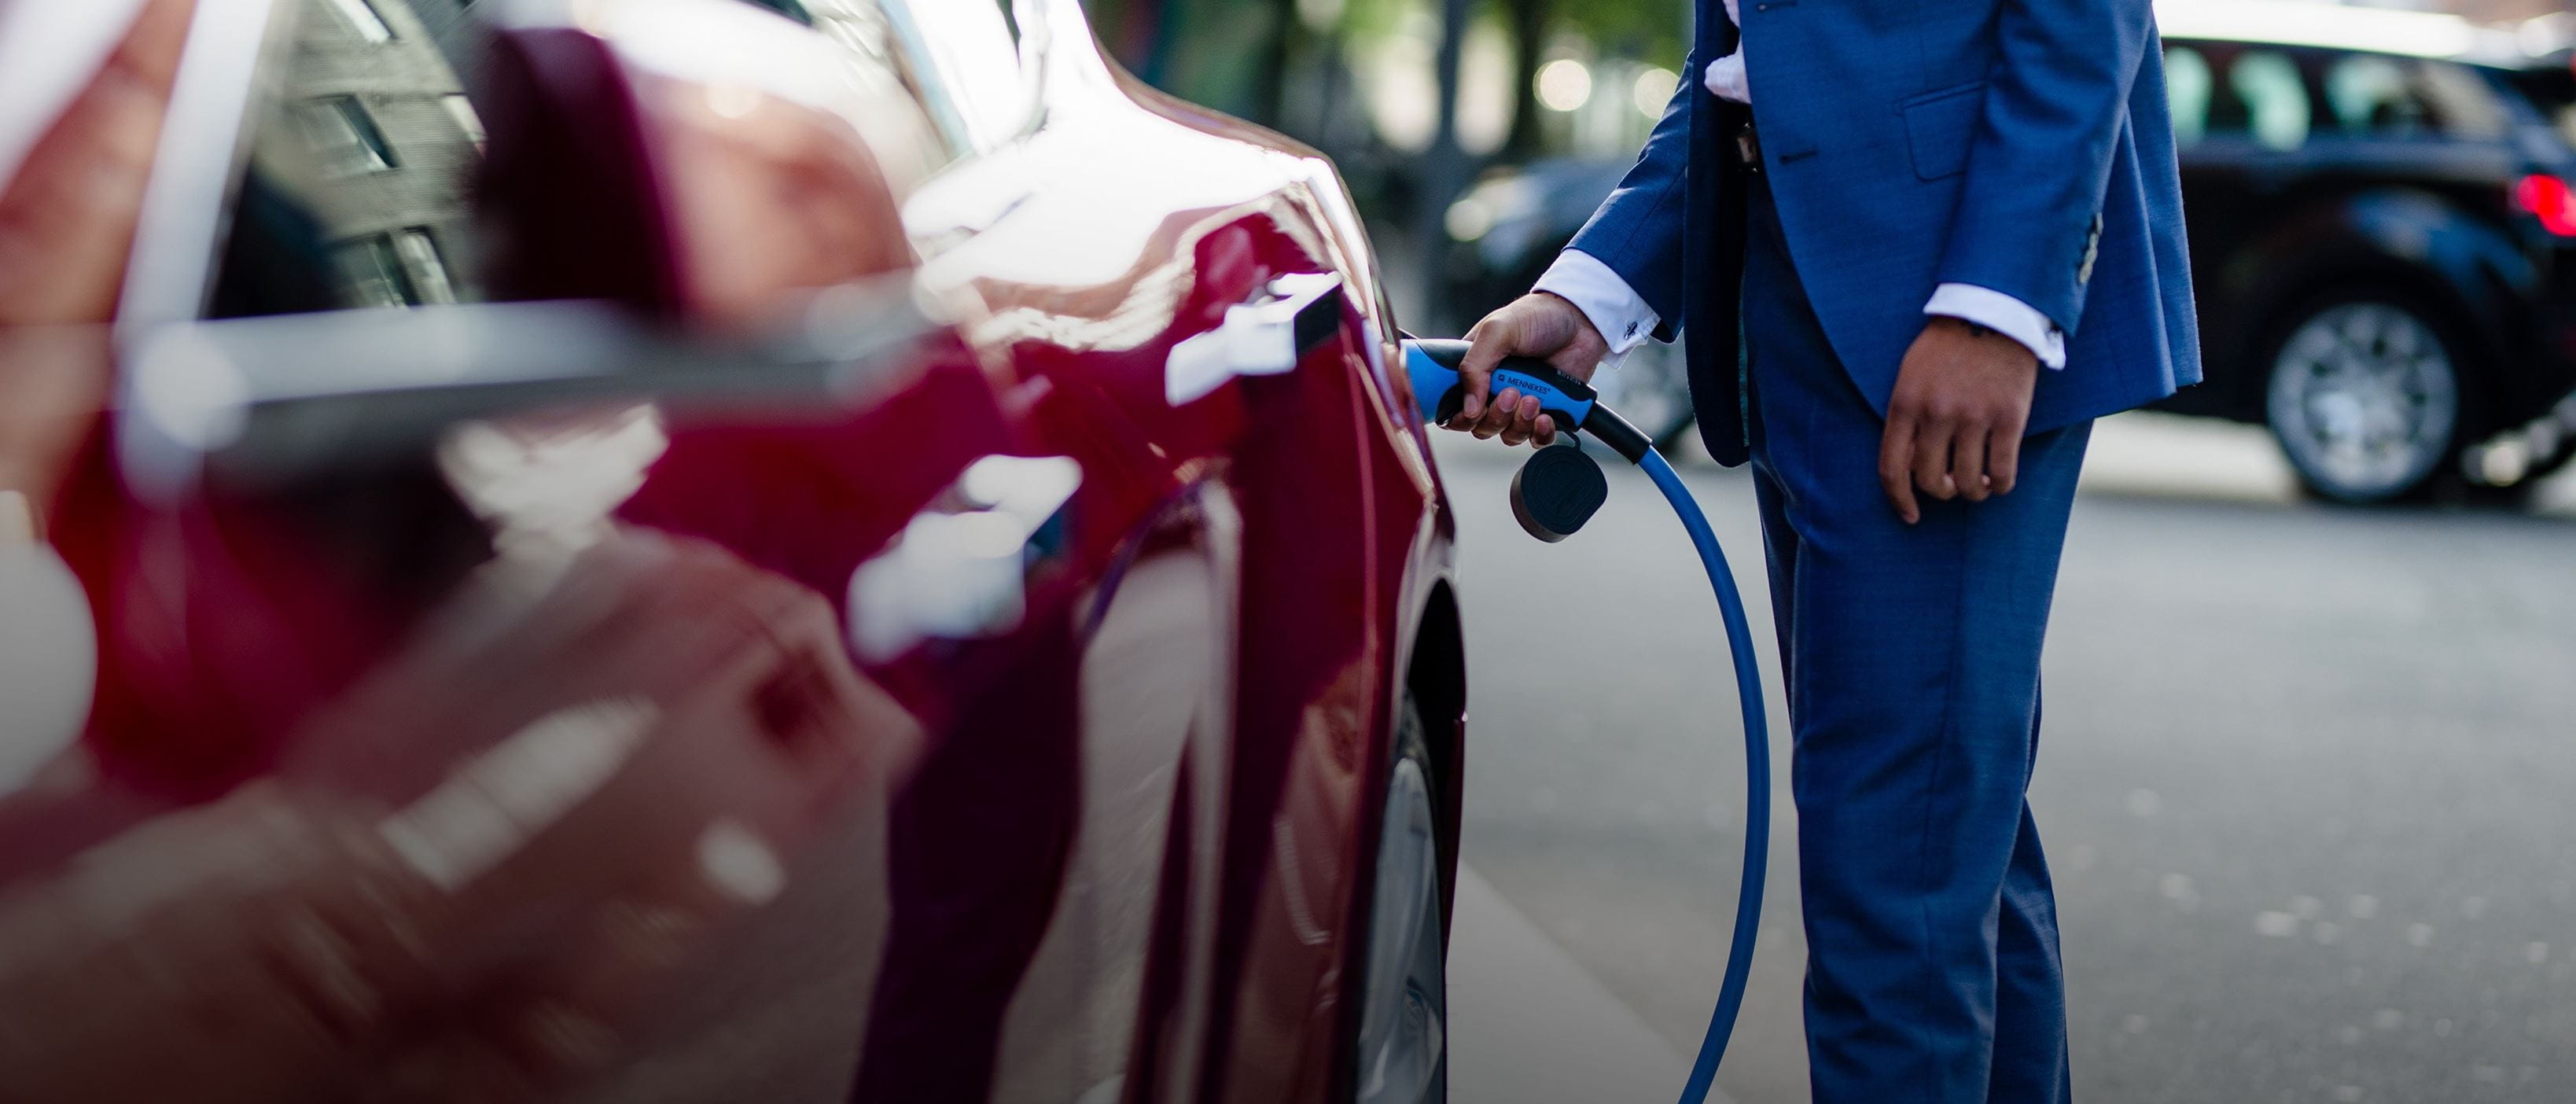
x=2308 y=778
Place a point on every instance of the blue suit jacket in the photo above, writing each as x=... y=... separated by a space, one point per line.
x=2020 y=145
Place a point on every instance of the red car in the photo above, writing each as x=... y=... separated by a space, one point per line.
x=692 y=550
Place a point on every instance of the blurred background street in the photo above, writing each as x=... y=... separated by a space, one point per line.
x=2321 y=853
x=2318 y=851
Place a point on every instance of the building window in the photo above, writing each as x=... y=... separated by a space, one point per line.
x=374 y=273
x=345 y=137
x=428 y=271
x=364 y=19
x=462 y=110
x=400 y=269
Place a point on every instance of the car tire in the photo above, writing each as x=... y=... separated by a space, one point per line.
x=2370 y=395
x=1400 y=1040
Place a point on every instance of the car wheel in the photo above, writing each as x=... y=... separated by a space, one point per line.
x=1403 y=1042
x=2366 y=396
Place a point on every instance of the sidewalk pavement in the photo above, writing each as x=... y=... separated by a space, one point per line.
x=1527 y=1025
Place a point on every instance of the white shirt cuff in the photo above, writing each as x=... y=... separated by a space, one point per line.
x=1728 y=80
x=2005 y=315
x=1616 y=310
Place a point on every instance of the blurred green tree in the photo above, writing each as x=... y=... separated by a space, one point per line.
x=1651 y=30
x=1233 y=55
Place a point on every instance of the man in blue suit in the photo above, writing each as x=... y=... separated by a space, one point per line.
x=1914 y=249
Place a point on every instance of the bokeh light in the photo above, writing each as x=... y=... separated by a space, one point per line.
x=1564 y=85
x=1653 y=90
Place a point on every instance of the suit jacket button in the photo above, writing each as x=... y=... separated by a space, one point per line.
x=2092 y=253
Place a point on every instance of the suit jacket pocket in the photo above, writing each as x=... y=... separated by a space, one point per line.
x=1941 y=126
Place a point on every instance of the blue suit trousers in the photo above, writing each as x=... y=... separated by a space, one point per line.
x=1912 y=655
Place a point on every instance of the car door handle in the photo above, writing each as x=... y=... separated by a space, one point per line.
x=1295 y=314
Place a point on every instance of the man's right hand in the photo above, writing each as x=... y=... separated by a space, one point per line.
x=1537 y=325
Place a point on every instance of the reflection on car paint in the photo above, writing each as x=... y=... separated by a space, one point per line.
x=786 y=696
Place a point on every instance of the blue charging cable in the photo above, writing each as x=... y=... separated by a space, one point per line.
x=1757 y=776
x=1553 y=507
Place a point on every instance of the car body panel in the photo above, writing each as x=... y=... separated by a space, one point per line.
x=2420 y=208
x=1124 y=857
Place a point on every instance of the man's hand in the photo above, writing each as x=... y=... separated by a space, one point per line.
x=1954 y=427
x=1536 y=325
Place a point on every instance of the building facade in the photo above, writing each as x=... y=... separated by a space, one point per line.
x=379 y=143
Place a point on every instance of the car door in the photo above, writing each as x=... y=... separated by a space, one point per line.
x=1164 y=309
x=660 y=269
x=1041 y=973
x=1091 y=843
x=467 y=303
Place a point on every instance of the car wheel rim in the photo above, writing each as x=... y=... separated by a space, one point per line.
x=2364 y=397
x=1402 y=1024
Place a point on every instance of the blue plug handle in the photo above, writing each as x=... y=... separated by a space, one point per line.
x=1433 y=366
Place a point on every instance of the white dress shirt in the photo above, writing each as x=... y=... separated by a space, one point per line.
x=1625 y=321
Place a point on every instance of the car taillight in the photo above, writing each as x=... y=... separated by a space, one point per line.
x=2549 y=199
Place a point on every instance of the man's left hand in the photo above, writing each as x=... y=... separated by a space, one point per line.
x=1955 y=425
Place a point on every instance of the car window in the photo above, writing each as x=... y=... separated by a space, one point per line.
x=2380 y=96
x=2464 y=104
x=2552 y=92
x=2189 y=85
x=357 y=193
x=2270 y=100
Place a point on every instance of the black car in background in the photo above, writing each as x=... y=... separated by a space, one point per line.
x=2382 y=211
x=1502 y=236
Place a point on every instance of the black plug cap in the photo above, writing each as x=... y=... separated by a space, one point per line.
x=1557 y=492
